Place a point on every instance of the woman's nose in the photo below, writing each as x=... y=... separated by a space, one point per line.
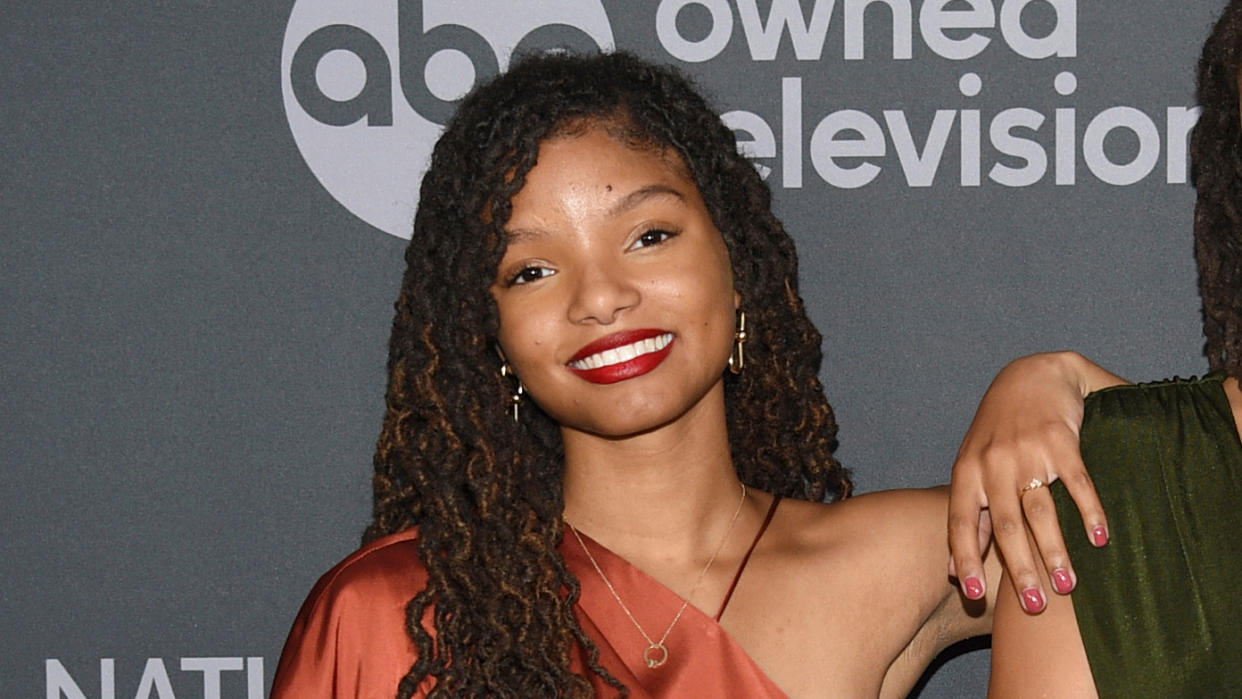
x=602 y=293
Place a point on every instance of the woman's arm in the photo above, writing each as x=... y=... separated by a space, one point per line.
x=910 y=534
x=1026 y=649
x=1025 y=433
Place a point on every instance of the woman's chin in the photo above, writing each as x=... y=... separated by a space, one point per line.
x=622 y=422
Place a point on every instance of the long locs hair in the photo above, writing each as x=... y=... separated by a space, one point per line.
x=1216 y=156
x=486 y=492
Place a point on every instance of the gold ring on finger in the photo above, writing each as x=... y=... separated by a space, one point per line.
x=1032 y=485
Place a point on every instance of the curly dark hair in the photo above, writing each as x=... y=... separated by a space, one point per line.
x=1216 y=154
x=486 y=492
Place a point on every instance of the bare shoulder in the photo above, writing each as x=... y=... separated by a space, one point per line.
x=879 y=524
x=899 y=508
x=880 y=503
x=854 y=581
x=1234 y=393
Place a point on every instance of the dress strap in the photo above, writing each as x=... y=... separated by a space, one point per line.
x=776 y=500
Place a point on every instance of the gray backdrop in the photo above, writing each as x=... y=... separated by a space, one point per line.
x=201 y=205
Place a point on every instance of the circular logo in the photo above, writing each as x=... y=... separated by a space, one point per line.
x=368 y=86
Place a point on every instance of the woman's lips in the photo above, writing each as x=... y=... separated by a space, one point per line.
x=622 y=355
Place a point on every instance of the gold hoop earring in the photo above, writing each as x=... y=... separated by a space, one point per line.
x=737 y=358
x=515 y=400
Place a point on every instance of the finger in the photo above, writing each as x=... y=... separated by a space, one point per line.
x=985 y=531
x=1078 y=482
x=1009 y=531
x=1041 y=519
x=965 y=561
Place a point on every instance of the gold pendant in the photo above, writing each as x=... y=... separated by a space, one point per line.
x=655 y=655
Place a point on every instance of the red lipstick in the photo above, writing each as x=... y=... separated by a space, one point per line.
x=622 y=355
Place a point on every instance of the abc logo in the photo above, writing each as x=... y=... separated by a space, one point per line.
x=369 y=84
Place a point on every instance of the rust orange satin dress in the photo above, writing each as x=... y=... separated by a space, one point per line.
x=349 y=639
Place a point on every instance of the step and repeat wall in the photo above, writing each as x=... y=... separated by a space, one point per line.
x=204 y=207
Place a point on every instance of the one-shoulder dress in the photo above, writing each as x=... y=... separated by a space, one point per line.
x=349 y=640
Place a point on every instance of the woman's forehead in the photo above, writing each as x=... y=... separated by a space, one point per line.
x=595 y=173
x=624 y=131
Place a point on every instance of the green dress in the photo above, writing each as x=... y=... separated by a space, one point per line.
x=1160 y=607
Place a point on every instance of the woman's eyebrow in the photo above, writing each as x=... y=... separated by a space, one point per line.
x=523 y=235
x=628 y=202
x=641 y=195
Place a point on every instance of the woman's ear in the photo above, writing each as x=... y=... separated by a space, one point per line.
x=737 y=301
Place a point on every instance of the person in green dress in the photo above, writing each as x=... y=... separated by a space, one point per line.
x=1156 y=611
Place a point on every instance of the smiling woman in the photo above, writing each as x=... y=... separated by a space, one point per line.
x=634 y=294
x=651 y=517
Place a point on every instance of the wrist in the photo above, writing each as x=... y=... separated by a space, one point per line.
x=1084 y=374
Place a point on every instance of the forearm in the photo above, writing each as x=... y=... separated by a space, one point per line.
x=1077 y=375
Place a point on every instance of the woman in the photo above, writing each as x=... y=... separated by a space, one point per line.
x=589 y=237
x=1156 y=614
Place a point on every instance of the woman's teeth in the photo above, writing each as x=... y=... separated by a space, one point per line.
x=624 y=353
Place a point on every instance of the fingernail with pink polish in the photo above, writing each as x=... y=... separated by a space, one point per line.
x=1099 y=536
x=974 y=587
x=1062 y=580
x=1033 y=600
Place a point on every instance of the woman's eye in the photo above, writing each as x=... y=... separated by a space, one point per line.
x=530 y=274
x=654 y=236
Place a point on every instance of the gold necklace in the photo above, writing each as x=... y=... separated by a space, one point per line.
x=656 y=654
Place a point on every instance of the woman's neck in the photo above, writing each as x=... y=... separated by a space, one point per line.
x=666 y=492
